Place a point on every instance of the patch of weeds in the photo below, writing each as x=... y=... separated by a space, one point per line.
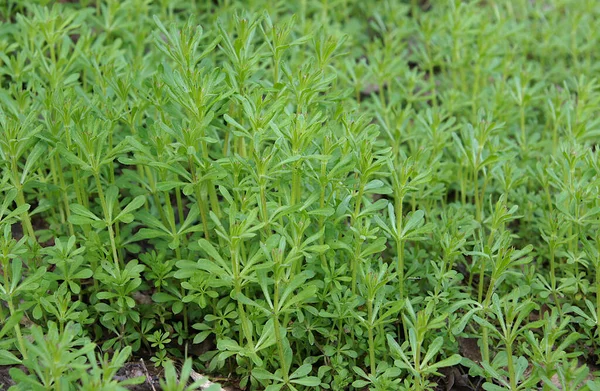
x=336 y=195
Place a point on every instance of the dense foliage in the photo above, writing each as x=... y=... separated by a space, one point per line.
x=300 y=195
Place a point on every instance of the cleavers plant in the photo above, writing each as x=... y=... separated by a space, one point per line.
x=284 y=195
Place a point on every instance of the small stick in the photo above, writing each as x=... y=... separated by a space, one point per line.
x=148 y=379
x=198 y=377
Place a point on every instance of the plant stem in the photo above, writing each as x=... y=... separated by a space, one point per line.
x=486 y=344
x=199 y=200
x=296 y=186
x=263 y=207
x=277 y=329
x=212 y=193
x=511 y=367
x=598 y=291
x=235 y=263
x=18 y=333
x=65 y=196
x=25 y=219
x=111 y=233
x=400 y=247
x=371 y=339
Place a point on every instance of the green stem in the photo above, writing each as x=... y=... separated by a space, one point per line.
x=400 y=247
x=25 y=219
x=276 y=60
x=598 y=294
x=511 y=367
x=179 y=202
x=553 y=276
x=482 y=271
x=212 y=192
x=244 y=331
x=296 y=188
x=55 y=182
x=400 y=244
x=355 y=263
x=154 y=192
x=371 y=339
x=263 y=207
x=486 y=345
x=65 y=196
x=280 y=349
x=523 y=133
x=199 y=200
x=20 y=339
x=478 y=211
x=111 y=233
x=277 y=329
x=481 y=280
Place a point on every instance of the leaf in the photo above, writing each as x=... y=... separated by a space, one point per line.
x=208 y=248
x=162 y=297
x=359 y=371
x=287 y=350
x=309 y=381
x=214 y=269
x=322 y=212
x=83 y=274
x=492 y=387
x=238 y=129
x=15 y=213
x=228 y=344
x=83 y=212
x=460 y=326
x=434 y=348
x=298 y=298
x=7 y=358
x=360 y=383
x=135 y=204
x=263 y=374
x=10 y=324
x=377 y=246
x=455 y=359
x=394 y=347
x=302 y=371
x=415 y=220
x=245 y=300
x=33 y=157
x=177 y=307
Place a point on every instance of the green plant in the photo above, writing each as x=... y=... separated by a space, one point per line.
x=178 y=380
x=300 y=195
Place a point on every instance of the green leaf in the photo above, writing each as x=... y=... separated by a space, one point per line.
x=7 y=358
x=360 y=383
x=415 y=220
x=263 y=374
x=492 y=387
x=302 y=371
x=322 y=212
x=83 y=274
x=83 y=212
x=32 y=159
x=208 y=248
x=433 y=349
x=455 y=359
x=10 y=324
x=125 y=215
x=162 y=297
x=309 y=381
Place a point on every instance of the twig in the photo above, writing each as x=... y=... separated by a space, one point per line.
x=148 y=379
